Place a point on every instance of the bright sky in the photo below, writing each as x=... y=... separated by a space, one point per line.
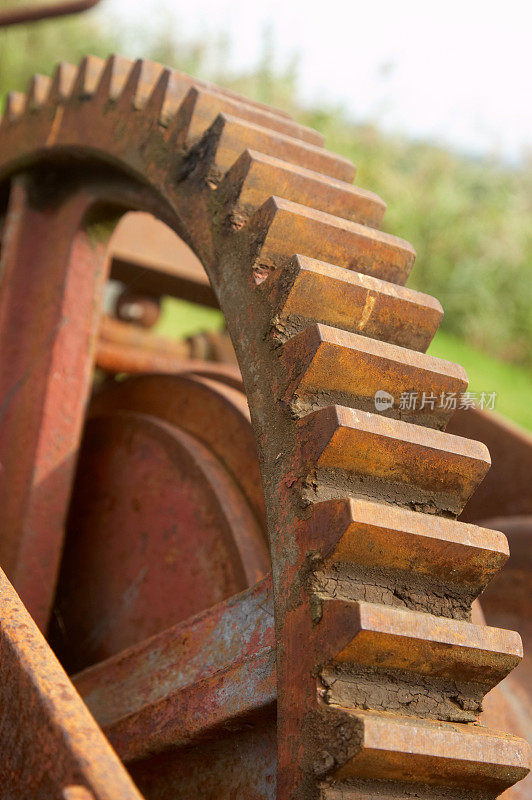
x=457 y=72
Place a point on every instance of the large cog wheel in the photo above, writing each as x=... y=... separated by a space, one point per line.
x=379 y=672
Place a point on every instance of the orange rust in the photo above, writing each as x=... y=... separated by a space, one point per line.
x=178 y=141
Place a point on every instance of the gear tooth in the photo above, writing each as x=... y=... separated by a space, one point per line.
x=163 y=101
x=14 y=107
x=200 y=121
x=178 y=124
x=228 y=93
x=132 y=82
x=180 y=83
x=391 y=747
x=388 y=538
x=384 y=638
x=307 y=290
x=284 y=228
x=322 y=359
x=255 y=176
x=414 y=466
x=113 y=78
x=62 y=83
x=128 y=94
x=233 y=136
x=168 y=97
x=88 y=76
x=140 y=82
x=210 y=104
x=37 y=92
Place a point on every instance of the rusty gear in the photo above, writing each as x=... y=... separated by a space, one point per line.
x=379 y=673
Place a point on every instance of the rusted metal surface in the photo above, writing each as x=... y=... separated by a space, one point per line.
x=237 y=763
x=380 y=672
x=136 y=340
x=51 y=746
x=52 y=279
x=506 y=490
x=226 y=374
x=314 y=290
x=212 y=346
x=507 y=601
x=139 y=309
x=148 y=256
x=189 y=679
x=151 y=498
x=217 y=415
x=115 y=358
x=125 y=347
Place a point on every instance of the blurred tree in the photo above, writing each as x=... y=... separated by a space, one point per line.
x=37 y=47
x=469 y=219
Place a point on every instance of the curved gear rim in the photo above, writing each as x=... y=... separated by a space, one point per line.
x=335 y=474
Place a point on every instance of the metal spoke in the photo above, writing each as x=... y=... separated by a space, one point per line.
x=53 y=273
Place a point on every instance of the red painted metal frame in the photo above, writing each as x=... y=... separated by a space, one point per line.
x=52 y=281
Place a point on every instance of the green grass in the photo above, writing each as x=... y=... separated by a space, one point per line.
x=512 y=383
x=467 y=218
x=180 y=319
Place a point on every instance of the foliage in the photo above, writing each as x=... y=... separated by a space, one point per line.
x=468 y=219
x=512 y=383
x=28 y=49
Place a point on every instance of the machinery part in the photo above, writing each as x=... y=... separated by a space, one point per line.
x=72 y=761
x=168 y=477
x=212 y=346
x=178 y=508
x=51 y=271
x=140 y=309
x=215 y=414
x=506 y=494
x=120 y=693
x=379 y=671
x=507 y=601
x=506 y=490
x=123 y=347
x=114 y=359
x=147 y=255
x=18 y=16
